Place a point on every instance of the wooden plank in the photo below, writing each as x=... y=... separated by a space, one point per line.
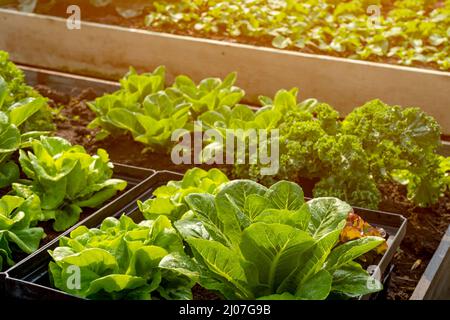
x=435 y=282
x=68 y=83
x=107 y=51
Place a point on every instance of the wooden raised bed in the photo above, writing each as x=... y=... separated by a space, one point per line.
x=435 y=282
x=106 y=51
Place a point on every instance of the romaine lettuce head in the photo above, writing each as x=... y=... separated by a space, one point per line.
x=66 y=179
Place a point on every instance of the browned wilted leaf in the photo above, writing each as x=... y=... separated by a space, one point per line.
x=357 y=228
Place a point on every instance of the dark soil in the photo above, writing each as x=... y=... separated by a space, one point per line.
x=200 y=293
x=426 y=226
x=425 y=229
x=108 y=15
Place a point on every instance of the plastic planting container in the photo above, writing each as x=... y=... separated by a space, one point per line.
x=30 y=278
x=136 y=178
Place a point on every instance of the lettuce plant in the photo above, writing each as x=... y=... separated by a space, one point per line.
x=66 y=179
x=401 y=145
x=210 y=93
x=11 y=138
x=142 y=108
x=16 y=94
x=169 y=199
x=125 y=102
x=17 y=234
x=150 y=112
x=348 y=173
x=253 y=242
x=240 y=117
x=122 y=260
x=243 y=126
x=153 y=126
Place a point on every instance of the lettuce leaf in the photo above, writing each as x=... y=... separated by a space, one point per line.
x=66 y=179
x=17 y=233
x=169 y=199
x=29 y=110
x=122 y=260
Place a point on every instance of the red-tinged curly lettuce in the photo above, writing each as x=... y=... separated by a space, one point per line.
x=208 y=94
x=357 y=228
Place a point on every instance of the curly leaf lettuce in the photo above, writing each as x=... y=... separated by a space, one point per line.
x=401 y=145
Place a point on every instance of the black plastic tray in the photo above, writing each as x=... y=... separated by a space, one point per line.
x=135 y=177
x=30 y=280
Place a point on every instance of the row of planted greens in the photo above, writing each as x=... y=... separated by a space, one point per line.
x=236 y=239
x=42 y=178
x=348 y=157
x=408 y=32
